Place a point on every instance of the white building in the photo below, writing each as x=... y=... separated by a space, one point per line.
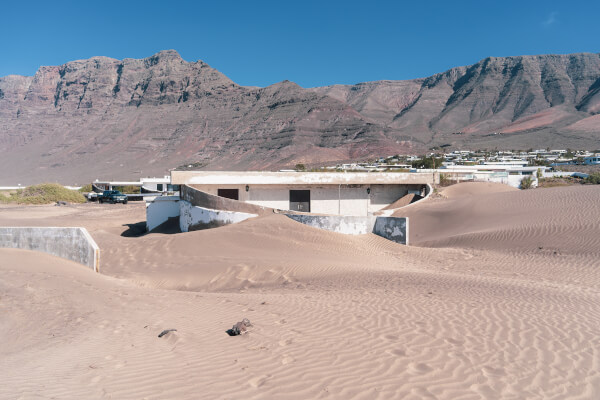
x=508 y=173
x=332 y=193
x=146 y=184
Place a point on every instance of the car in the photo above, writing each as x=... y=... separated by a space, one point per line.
x=112 y=196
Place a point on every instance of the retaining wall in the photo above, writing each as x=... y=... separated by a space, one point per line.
x=74 y=244
x=341 y=224
x=202 y=199
x=193 y=218
x=391 y=228
x=160 y=210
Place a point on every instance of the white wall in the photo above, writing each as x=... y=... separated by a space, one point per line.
x=384 y=195
x=74 y=244
x=515 y=180
x=192 y=216
x=160 y=210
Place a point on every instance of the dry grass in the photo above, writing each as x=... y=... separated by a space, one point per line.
x=45 y=193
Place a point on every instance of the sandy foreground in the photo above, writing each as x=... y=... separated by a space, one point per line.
x=498 y=297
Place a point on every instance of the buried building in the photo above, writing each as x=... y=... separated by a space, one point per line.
x=328 y=200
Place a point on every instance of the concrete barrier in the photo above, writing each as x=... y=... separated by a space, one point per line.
x=74 y=244
x=348 y=225
x=193 y=218
x=159 y=210
x=391 y=228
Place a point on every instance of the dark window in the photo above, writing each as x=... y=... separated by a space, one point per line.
x=232 y=194
x=159 y=187
x=300 y=200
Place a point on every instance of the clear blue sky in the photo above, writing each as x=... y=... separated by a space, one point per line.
x=312 y=43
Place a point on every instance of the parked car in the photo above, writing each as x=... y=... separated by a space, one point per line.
x=112 y=196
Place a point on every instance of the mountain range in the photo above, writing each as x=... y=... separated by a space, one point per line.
x=122 y=119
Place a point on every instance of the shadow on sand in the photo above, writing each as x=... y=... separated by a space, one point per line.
x=138 y=229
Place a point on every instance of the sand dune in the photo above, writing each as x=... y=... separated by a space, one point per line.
x=468 y=189
x=566 y=219
x=505 y=305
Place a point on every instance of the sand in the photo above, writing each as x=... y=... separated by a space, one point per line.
x=499 y=298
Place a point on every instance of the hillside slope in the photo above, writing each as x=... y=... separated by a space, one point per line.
x=103 y=118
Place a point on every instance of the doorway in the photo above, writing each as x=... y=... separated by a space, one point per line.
x=300 y=200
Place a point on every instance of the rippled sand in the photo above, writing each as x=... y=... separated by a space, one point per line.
x=499 y=298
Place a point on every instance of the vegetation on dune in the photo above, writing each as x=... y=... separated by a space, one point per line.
x=446 y=180
x=45 y=193
x=527 y=182
x=557 y=182
x=593 y=178
x=86 y=188
x=129 y=189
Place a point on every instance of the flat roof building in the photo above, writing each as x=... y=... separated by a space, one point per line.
x=333 y=193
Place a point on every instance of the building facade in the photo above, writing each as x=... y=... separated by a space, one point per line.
x=331 y=193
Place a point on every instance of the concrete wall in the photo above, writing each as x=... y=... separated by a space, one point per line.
x=504 y=177
x=391 y=228
x=194 y=218
x=341 y=224
x=160 y=210
x=74 y=244
x=198 y=197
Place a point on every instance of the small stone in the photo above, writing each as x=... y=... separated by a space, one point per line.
x=239 y=328
x=163 y=333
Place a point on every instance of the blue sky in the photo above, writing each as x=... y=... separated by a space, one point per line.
x=312 y=43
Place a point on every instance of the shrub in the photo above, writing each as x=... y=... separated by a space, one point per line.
x=428 y=163
x=300 y=167
x=593 y=178
x=129 y=189
x=44 y=193
x=85 y=188
x=527 y=182
x=446 y=180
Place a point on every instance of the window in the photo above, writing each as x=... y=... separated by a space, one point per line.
x=232 y=194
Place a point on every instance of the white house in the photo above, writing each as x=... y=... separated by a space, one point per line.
x=332 y=193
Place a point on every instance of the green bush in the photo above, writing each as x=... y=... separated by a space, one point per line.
x=593 y=178
x=527 y=182
x=129 y=189
x=45 y=193
x=428 y=163
x=85 y=188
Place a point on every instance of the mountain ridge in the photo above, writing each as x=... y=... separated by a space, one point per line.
x=102 y=117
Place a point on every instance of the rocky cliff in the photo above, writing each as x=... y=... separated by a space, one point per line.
x=107 y=118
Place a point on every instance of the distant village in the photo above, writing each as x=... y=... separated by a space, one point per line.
x=542 y=157
x=516 y=168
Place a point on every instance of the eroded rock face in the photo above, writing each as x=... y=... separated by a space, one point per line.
x=102 y=117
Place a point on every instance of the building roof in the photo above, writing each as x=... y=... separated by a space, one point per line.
x=296 y=178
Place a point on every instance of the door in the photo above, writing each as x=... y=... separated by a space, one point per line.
x=300 y=200
x=232 y=194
